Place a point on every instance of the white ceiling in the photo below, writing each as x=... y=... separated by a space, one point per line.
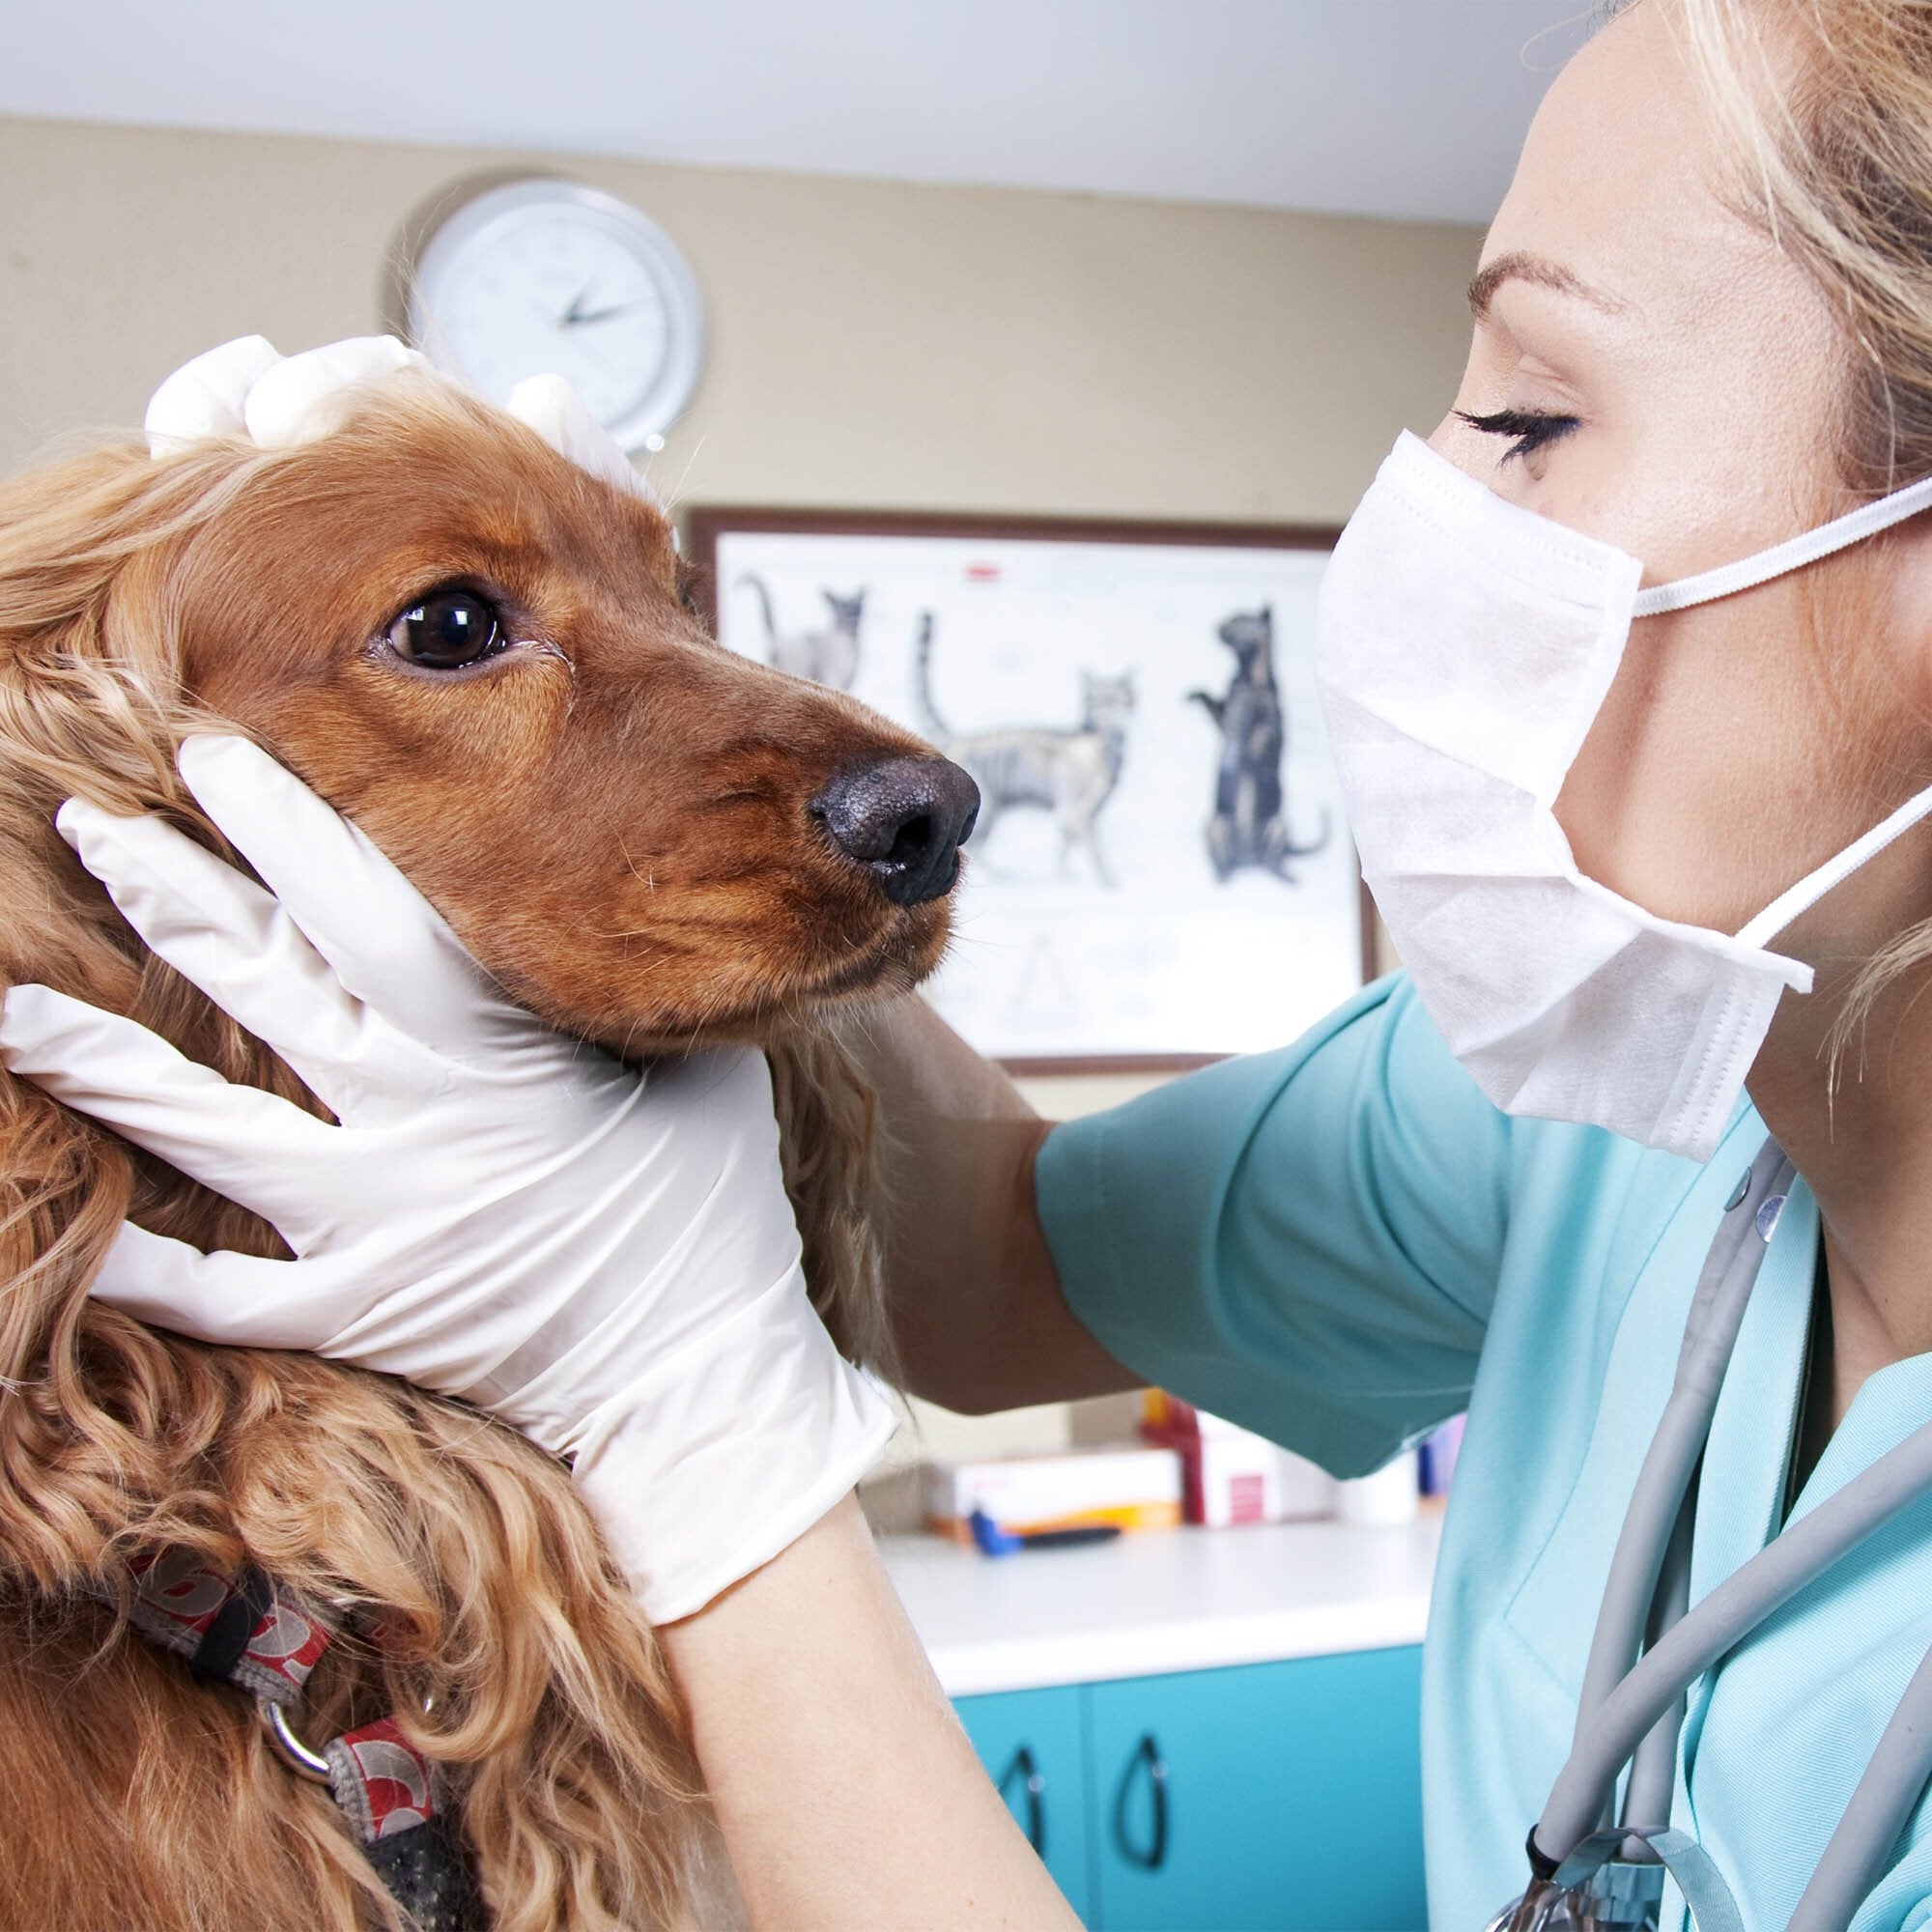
x=1389 y=107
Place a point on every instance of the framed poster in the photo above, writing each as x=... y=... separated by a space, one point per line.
x=1161 y=874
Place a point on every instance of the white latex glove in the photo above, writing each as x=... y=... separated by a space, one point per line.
x=602 y=1258
x=246 y=389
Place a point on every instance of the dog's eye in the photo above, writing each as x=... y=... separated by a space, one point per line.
x=448 y=630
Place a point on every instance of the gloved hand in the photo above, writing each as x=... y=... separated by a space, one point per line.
x=604 y=1257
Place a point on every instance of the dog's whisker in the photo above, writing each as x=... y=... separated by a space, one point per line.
x=649 y=879
x=673 y=497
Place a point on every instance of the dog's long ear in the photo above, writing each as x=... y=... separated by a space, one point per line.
x=87 y=698
x=63 y=1195
x=828 y=1128
x=92 y=705
x=74 y=719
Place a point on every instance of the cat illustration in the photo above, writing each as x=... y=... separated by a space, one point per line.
x=1248 y=826
x=830 y=656
x=1071 y=773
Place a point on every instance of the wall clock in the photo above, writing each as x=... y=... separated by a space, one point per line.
x=544 y=276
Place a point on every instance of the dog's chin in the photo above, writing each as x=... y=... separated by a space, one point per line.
x=889 y=967
x=895 y=964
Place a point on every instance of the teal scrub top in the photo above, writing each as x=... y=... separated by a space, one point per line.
x=1342 y=1243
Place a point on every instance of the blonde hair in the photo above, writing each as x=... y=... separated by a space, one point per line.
x=1832 y=158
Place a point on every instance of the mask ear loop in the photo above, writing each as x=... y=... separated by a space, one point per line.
x=1746 y=574
x=1794 y=553
x=1809 y=890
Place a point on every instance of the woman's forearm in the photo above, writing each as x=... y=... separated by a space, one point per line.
x=977 y=1306
x=848 y=1795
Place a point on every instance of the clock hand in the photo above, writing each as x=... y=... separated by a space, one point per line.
x=568 y=319
x=576 y=318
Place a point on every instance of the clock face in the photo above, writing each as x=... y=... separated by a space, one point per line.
x=543 y=278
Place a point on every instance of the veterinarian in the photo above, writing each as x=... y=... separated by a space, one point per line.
x=1636 y=1163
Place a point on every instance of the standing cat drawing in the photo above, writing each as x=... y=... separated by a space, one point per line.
x=1249 y=826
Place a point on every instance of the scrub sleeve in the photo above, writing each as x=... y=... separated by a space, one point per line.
x=1306 y=1242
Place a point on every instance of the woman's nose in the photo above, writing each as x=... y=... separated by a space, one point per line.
x=904 y=820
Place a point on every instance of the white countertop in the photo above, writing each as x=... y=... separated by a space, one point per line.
x=1156 y=1601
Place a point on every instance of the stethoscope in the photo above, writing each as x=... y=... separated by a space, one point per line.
x=1588 y=1873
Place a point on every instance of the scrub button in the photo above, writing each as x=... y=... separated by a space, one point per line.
x=1739 y=1192
x=1766 y=1216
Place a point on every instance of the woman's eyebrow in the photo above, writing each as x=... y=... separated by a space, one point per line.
x=1522 y=267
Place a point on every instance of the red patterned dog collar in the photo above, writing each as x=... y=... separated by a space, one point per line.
x=243 y=1631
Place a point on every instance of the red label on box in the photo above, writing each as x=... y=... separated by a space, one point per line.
x=1247 y=1498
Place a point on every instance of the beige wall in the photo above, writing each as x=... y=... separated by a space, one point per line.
x=872 y=344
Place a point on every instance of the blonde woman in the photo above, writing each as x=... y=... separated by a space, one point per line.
x=1658 y=865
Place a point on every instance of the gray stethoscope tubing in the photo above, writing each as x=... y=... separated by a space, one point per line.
x=1735 y=1608
x=1710 y=1333
x=1876 y=1815
x=1653 y=1772
x=1649 y=1580
x=1631 y=1716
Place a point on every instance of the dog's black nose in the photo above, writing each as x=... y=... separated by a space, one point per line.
x=904 y=820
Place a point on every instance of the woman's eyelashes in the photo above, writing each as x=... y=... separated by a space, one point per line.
x=1528 y=430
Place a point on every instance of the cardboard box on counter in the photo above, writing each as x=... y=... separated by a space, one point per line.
x=1245 y=1478
x=1228 y=1474
x=1137 y=1489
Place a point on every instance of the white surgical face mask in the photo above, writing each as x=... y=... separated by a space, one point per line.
x=1463 y=648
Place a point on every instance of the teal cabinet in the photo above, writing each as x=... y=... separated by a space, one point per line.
x=1265 y=1798
x=1276 y=1798
x=1033 y=1748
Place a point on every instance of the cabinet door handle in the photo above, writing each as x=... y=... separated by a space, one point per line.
x=1148 y=1759
x=1026 y=1767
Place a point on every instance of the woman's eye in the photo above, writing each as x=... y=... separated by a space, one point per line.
x=1529 y=430
x=448 y=630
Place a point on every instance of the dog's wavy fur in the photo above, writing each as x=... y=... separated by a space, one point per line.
x=131 y=590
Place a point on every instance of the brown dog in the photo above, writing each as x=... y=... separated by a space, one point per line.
x=490 y=661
